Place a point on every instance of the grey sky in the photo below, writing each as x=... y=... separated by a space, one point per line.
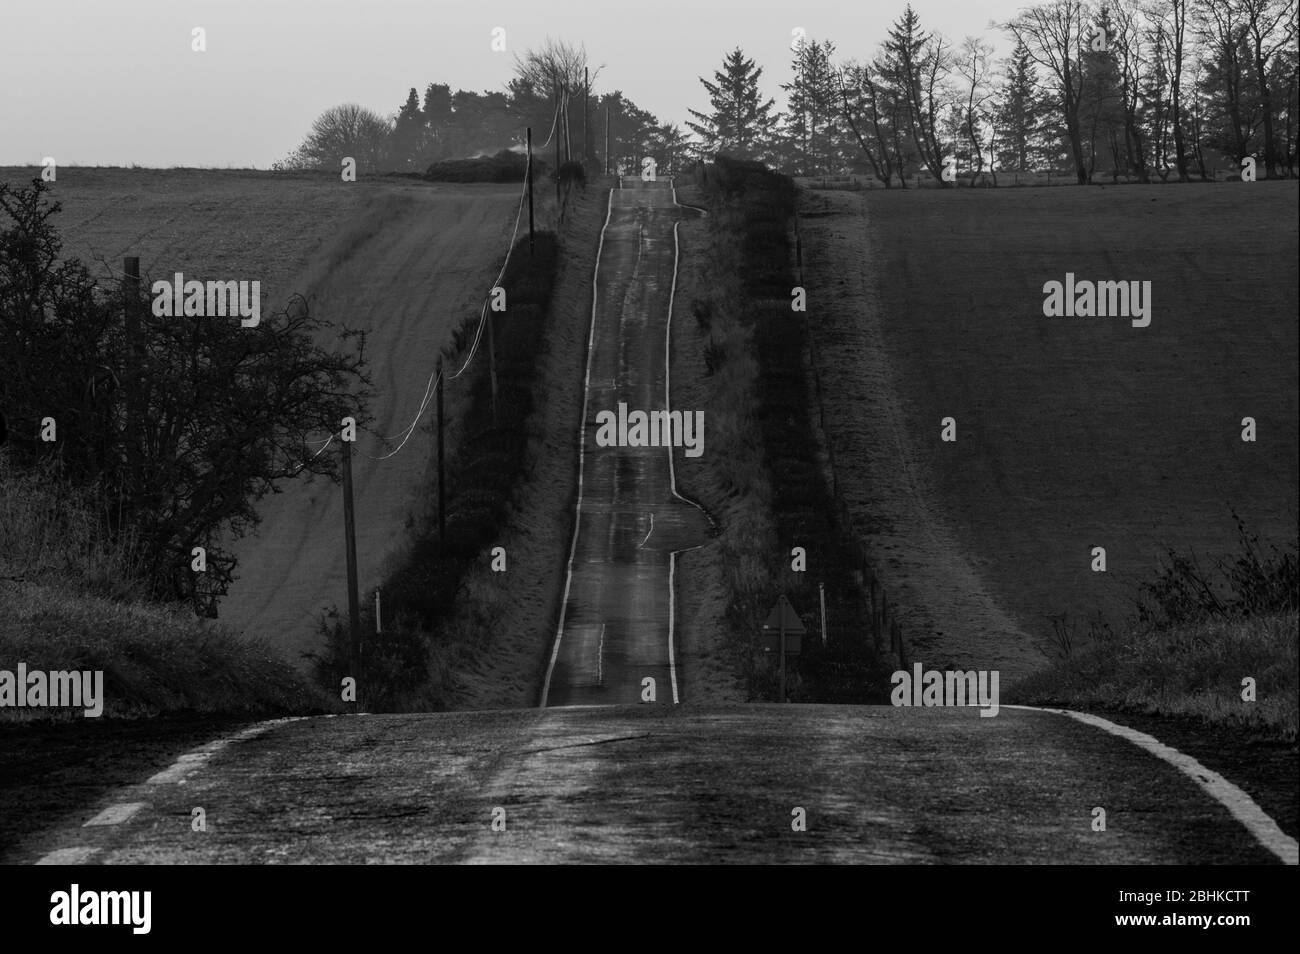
x=114 y=82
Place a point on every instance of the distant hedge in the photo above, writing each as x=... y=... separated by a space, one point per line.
x=505 y=166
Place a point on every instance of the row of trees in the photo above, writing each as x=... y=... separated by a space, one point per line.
x=1138 y=88
x=551 y=92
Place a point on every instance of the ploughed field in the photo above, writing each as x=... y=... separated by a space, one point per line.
x=1071 y=432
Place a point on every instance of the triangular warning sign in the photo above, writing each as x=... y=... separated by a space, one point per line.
x=784 y=616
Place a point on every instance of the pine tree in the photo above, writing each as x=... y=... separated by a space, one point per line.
x=915 y=64
x=408 y=131
x=811 y=127
x=437 y=122
x=1101 y=101
x=740 y=123
x=1020 y=111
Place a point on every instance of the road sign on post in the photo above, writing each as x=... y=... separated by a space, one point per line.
x=784 y=624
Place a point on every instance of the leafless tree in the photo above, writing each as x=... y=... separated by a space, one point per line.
x=972 y=63
x=1056 y=34
x=347 y=130
x=1270 y=27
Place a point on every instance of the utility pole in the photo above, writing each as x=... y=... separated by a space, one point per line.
x=134 y=382
x=350 y=542
x=586 y=139
x=563 y=129
x=558 y=207
x=606 y=137
x=492 y=361
x=529 y=176
x=442 y=488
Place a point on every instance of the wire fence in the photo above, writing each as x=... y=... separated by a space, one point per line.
x=882 y=613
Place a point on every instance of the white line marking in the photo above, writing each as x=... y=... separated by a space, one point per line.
x=672 y=616
x=600 y=658
x=672 y=472
x=582 y=452
x=184 y=764
x=68 y=856
x=1241 y=805
x=187 y=763
x=648 y=532
x=115 y=814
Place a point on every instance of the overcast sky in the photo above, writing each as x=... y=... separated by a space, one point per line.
x=114 y=82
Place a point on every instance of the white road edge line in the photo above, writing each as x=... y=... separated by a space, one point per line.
x=116 y=814
x=600 y=658
x=582 y=452
x=672 y=471
x=672 y=615
x=68 y=856
x=1238 y=803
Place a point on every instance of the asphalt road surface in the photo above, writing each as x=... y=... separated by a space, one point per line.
x=617 y=628
x=664 y=783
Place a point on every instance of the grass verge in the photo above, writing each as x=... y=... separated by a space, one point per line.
x=778 y=515
x=70 y=601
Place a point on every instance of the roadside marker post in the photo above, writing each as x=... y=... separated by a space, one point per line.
x=821 y=588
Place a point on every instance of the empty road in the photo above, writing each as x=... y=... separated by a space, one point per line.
x=617 y=627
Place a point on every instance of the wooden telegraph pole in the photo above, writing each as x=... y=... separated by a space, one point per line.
x=606 y=137
x=529 y=176
x=350 y=541
x=558 y=207
x=492 y=360
x=442 y=489
x=586 y=140
x=134 y=376
x=568 y=142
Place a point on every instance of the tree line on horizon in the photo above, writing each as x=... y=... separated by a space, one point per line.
x=547 y=94
x=1140 y=89
x=1136 y=88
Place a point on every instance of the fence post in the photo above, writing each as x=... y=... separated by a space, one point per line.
x=875 y=612
x=884 y=614
x=821 y=587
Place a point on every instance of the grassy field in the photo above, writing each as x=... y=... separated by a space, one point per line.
x=406 y=260
x=1072 y=433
